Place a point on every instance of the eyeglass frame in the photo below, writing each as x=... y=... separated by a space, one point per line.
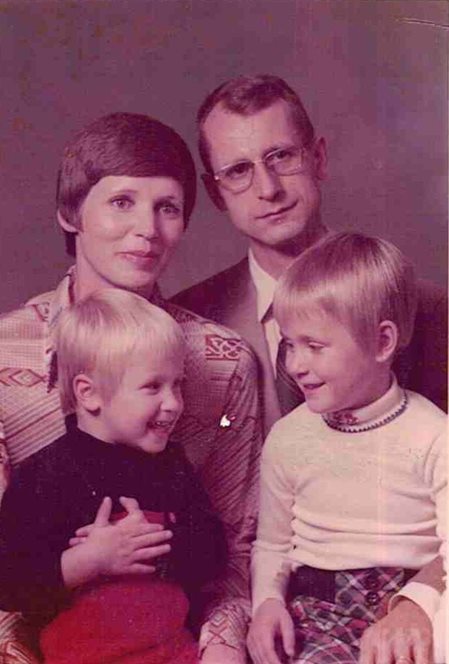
x=216 y=176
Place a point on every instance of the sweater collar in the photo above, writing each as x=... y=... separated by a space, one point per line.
x=376 y=414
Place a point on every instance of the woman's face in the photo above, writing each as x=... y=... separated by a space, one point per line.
x=129 y=229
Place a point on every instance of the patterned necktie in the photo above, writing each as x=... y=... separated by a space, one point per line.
x=288 y=392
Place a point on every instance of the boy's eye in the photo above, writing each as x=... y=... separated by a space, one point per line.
x=122 y=202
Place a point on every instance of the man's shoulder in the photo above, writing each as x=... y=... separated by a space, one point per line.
x=208 y=297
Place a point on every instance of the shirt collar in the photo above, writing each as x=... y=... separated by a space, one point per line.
x=382 y=411
x=265 y=286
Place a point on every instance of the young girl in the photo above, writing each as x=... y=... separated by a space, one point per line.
x=121 y=593
x=353 y=481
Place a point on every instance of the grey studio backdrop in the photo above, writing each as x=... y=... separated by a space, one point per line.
x=373 y=75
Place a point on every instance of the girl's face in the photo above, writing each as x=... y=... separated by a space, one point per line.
x=129 y=229
x=331 y=368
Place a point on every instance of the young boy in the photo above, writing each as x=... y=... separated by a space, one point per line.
x=119 y=593
x=353 y=481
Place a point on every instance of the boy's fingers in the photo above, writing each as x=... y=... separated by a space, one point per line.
x=104 y=512
x=84 y=531
x=74 y=541
x=147 y=553
x=288 y=634
x=130 y=504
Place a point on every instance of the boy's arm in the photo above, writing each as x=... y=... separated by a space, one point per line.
x=30 y=573
x=230 y=477
x=199 y=549
x=270 y=570
x=408 y=625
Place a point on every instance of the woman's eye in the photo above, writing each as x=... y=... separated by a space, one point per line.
x=170 y=210
x=122 y=202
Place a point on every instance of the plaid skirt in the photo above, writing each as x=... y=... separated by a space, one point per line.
x=331 y=610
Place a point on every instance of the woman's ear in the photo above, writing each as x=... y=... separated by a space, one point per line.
x=86 y=392
x=387 y=340
x=213 y=191
x=66 y=225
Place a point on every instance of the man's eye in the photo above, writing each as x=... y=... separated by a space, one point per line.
x=284 y=154
x=122 y=202
x=152 y=387
x=238 y=170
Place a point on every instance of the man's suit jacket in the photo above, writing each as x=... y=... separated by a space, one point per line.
x=229 y=298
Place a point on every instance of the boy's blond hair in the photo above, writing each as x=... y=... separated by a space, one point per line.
x=98 y=334
x=359 y=280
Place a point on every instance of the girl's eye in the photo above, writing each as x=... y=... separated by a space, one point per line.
x=122 y=202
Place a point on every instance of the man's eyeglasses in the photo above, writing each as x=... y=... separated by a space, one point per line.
x=239 y=176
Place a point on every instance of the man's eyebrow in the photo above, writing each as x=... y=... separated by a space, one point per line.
x=265 y=153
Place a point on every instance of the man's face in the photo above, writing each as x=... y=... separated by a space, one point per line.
x=129 y=229
x=276 y=209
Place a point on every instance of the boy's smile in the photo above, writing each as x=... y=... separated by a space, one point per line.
x=144 y=409
x=331 y=368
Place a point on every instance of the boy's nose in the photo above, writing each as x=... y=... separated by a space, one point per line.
x=295 y=364
x=172 y=401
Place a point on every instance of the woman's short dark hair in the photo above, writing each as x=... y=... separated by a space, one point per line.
x=121 y=144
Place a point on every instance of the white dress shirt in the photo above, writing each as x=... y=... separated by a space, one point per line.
x=265 y=285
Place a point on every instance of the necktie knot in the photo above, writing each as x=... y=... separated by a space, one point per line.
x=288 y=392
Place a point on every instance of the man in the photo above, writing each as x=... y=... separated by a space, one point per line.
x=126 y=189
x=264 y=166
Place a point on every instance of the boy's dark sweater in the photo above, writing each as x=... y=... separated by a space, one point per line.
x=60 y=488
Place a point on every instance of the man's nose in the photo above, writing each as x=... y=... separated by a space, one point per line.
x=266 y=182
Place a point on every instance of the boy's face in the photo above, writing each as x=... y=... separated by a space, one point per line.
x=146 y=405
x=332 y=370
x=129 y=229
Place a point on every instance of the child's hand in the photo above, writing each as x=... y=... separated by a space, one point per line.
x=114 y=548
x=271 y=620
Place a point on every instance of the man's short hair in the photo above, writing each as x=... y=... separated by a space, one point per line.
x=358 y=280
x=121 y=144
x=246 y=95
x=96 y=336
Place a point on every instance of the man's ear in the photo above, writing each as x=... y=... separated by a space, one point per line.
x=319 y=154
x=86 y=392
x=213 y=191
x=387 y=340
x=66 y=225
